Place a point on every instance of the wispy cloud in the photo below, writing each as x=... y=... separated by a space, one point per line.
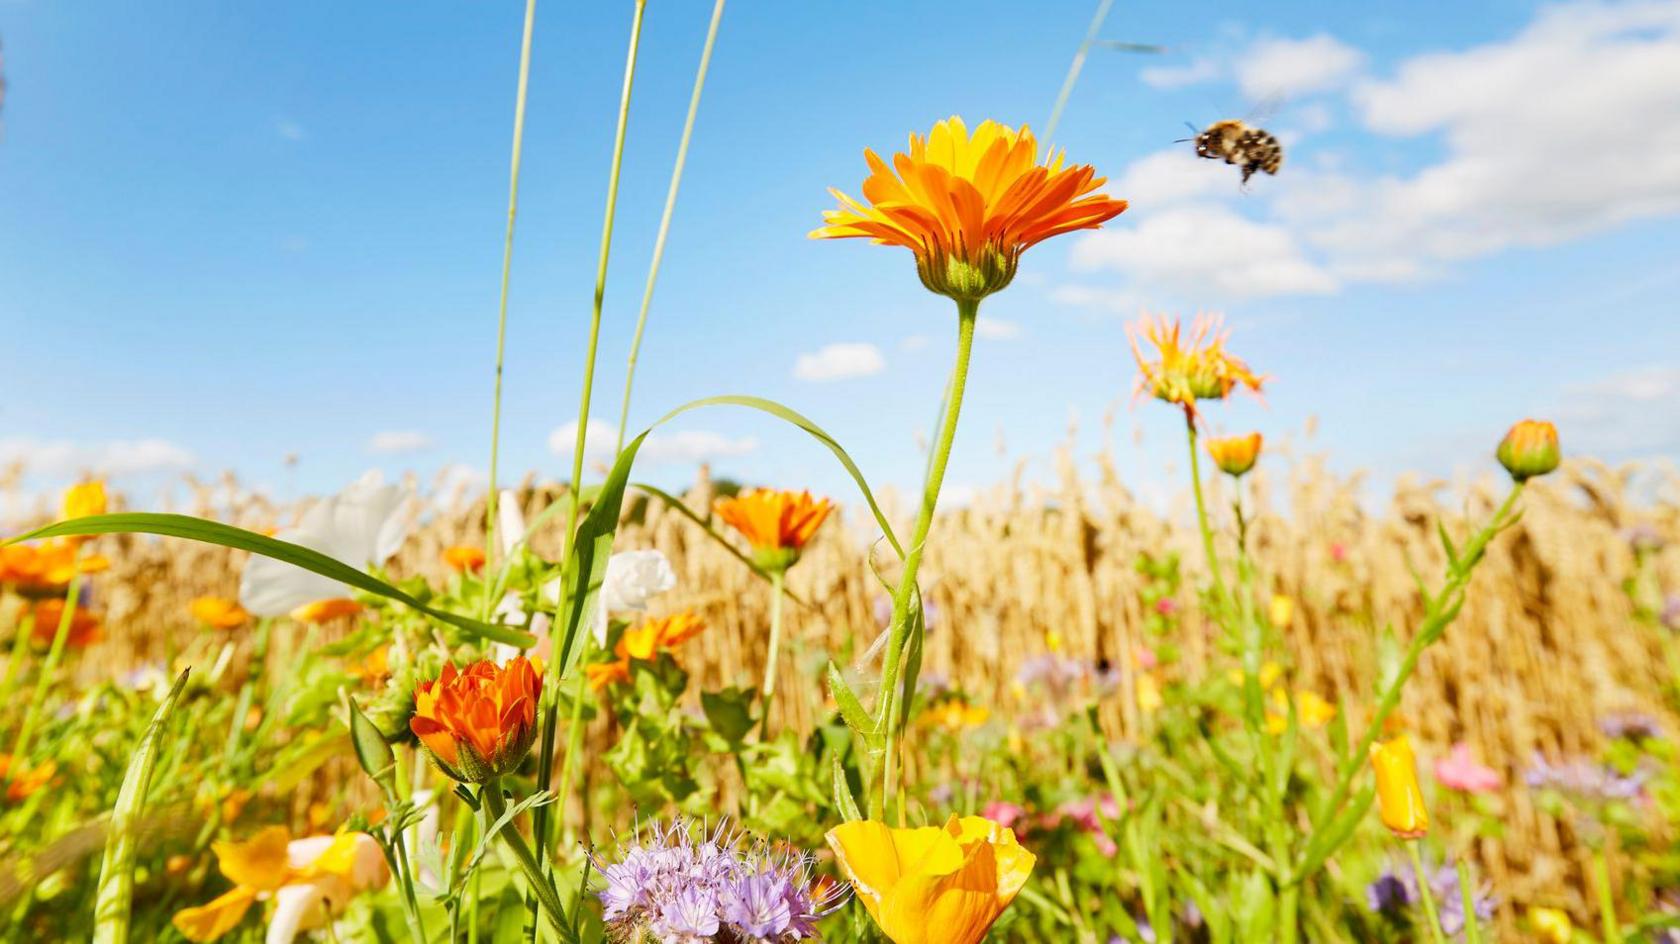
x=841 y=361
x=61 y=458
x=1287 y=68
x=997 y=329
x=685 y=447
x=1625 y=414
x=398 y=442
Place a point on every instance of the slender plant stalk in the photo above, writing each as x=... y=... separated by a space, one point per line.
x=574 y=728
x=888 y=702
x=1222 y=597
x=20 y=747
x=495 y=806
x=501 y=315
x=665 y=217
x=1430 y=915
x=1467 y=899
x=545 y=763
x=1606 y=898
x=1078 y=64
x=20 y=646
x=778 y=578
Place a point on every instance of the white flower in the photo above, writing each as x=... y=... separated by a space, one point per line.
x=364 y=524
x=632 y=577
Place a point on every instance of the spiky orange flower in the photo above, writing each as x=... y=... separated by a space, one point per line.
x=85 y=628
x=776 y=523
x=968 y=204
x=463 y=558
x=218 y=612
x=478 y=723
x=1184 y=372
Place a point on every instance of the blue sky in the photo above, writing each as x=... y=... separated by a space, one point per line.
x=230 y=233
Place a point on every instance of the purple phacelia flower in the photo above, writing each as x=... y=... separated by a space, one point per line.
x=1632 y=725
x=1585 y=779
x=671 y=887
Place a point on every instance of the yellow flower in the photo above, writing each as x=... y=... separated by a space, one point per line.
x=777 y=524
x=1311 y=711
x=1270 y=672
x=1235 y=455
x=1530 y=448
x=968 y=204
x=218 y=612
x=1551 y=925
x=1282 y=611
x=308 y=879
x=1183 y=373
x=1399 y=799
x=323 y=611
x=932 y=885
x=87 y=498
x=1148 y=693
x=954 y=714
x=463 y=558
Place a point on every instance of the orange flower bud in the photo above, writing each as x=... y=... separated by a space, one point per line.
x=1529 y=449
x=218 y=612
x=1235 y=455
x=1399 y=799
x=464 y=558
x=478 y=724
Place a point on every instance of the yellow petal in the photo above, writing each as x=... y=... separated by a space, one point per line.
x=210 y=921
x=259 y=863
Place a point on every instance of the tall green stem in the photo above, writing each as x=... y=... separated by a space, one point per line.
x=545 y=765
x=889 y=702
x=1606 y=898
x=501 y=316
x=495 y=807
x=1430 y=914
x=574 y=728
x=1221 y=597
x=778 y=577
x=67 y=616
x=1103 y=6
x=665 y=217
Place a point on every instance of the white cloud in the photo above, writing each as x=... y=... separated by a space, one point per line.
x=1627 y=413
x=1171 y=77
x=289 y=130
x=997 y=329
x=1286 y=68
x=62 y=458
x=913 y=343
x=1093 y=296
x=840 y=362
x=398 y=441
x=680 y=448
x=1196 y=248
x=1169 y=176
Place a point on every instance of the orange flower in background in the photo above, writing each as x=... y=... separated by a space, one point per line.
x=1399 y=798
x=969 y=203
x=46 y=568
x=945 y=884
x=322 y=611
x=24 y=782
x=776 y=523
x=1235 y=455
x=478 y=723
x=643 y=642
x=1529 y=449
x=218 y=612
x=603 y=674
x=85 y=627
x=375 y=667
x=309 y=880
x=1183 y=372
x=463 y=558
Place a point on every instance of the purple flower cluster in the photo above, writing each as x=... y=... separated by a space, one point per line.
x=1585 y=779
x=671 y=887
x=1395 y=895
x=1632 y=725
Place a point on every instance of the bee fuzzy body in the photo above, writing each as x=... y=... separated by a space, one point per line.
x=1234 y=142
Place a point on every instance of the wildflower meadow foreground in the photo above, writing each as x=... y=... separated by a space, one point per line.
x=606 y=712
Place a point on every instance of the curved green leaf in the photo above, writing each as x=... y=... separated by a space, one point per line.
x=587 y=566
x=226 y=535
x=676 y=504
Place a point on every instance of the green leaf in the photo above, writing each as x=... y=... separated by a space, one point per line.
x=372 y=750
x=587 y=566
x=843 y=800
x=851 y=709
x=115 y=896
x=677 y=505
x=214 y=532
x=729 y=712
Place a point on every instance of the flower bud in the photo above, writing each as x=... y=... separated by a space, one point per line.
x=1399 y=799
x=478 y=723
x=1529 y=449
x=1235 y=455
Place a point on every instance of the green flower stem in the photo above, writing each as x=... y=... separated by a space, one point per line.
x=20 y=747
x=501 y=315
x=19 y=654
x=1430 y=915
x=778 y=577
x=1221 y=597
x=574 y=728
x=1606 y=897
x=1467 y=898
x=665 y=217
x=495 y=807
x=545 y=764
x=1442 y=609
x=889 y=703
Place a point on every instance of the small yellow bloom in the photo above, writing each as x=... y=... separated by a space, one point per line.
x=1551 y=925
x=1399 y=799
x=87 y=498
x=1235 y=455
x=1148 y=693
x=1530 y=448
x=933 y=885
x=953 y=714
x=1282 y=611
x=219 y=612
x=1184 y=372
x=322 y=611
x=1053 y=641
x=1270 y=672
x=308 y=879
x=1311 y=711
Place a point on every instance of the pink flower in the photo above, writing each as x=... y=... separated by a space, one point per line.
x=1005 y=814
x=1460 y=770
x=1338 y=552
x=1144 y=658
x=1166 y=606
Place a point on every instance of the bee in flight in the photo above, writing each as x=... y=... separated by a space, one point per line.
x=1237 y=143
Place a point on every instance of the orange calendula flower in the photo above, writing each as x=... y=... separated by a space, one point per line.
x=46 y=568
x=643 y=642
x=1235 y=455
x=85 y=627
x=603 y=674
x=1529 y=449
x=946 y=884
x=218 y=612
x=24 y=781
x=478 y=723
x=463 y=558
x=1183 y=372
x=969 y=203
x=375 y=667
x=322 y=611
x=776 y=523
x=1399 y=799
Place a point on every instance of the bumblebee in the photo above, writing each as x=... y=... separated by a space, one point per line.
x=1236 y=143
